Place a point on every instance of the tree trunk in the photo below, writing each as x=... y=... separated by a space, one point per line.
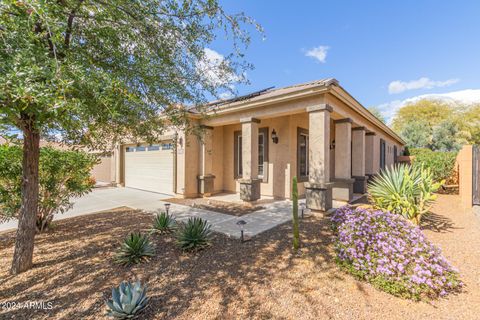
x=23 y=255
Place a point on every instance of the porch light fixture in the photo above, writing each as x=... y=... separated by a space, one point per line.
x=302 y=207
x=274 y=136
x=241 y=224
x=332 y=145
x=167 y=207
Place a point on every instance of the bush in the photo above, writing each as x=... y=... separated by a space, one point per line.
x=391 y=253
x=135 y=248
x=441 y=164
x=194 y=235
x=164 y=223
x=405 y=190
x=128 y=300
x=62 y=175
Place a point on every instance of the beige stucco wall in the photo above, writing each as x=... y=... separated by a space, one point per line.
x=465 y=175
x=104 y=170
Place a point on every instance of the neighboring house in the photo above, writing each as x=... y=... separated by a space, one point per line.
x=256 y=144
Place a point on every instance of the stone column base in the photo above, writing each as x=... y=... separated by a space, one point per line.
x=318 y=196
x=249 y=189
x=342 y=189
x=360 y=184
x=205 y=185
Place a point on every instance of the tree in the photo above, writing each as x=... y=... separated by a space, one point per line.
x=93 y=72
x=445 y=137
x=63 y=174
x=417 y=134
x=377 y=113
x=429 y=112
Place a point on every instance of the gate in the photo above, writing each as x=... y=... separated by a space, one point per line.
x=476 y=175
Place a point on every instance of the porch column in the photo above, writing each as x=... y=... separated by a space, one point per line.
x=343 y=183
x=318 y=189
x=358 y=160
x=369 y=154
x=249 y=184
x=205 y=178
x=117 y=154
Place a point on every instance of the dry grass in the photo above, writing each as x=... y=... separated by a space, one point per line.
x=259 y=279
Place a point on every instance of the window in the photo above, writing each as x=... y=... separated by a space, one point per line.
x=130 y=149
x=262 y=154
x=302 y=154
x=141 y=148
x=154 y=147
x=382 y=154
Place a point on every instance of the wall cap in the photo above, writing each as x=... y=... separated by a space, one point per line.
x=320 y=107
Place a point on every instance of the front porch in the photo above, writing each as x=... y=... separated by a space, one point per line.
x=255 y=159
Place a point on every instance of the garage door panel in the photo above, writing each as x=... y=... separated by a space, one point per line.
x=149 y=170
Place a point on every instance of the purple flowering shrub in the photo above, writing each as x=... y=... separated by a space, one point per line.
x=391 y=253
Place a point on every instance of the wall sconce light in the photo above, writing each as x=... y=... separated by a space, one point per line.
x=274 y=136
x=332 y=145
x=180 y=142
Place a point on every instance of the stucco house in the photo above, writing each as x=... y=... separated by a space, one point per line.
x=255 y=144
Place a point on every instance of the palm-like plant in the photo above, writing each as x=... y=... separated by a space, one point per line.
x=194 y=235
x=135 y=248
x=164 y=223
x=128 y=300
x=404 y=189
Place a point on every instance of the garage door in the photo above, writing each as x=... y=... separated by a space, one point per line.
x=150 y=167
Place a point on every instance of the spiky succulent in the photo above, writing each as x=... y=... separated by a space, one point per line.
x=194 y=235
x=135 y=248
x=164 y=223
x=128 y=300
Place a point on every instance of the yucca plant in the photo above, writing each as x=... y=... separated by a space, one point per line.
x=194 y=235
x=128 y=300
x=405 y=190
x=164 y=223
x=135 y=248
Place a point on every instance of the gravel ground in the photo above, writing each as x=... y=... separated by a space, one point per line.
x=259 y=279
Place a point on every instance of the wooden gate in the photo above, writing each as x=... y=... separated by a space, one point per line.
x=476 y=175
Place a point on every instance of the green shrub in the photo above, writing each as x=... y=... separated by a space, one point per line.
x=62 y=175
x=441 y=164
x=194 y=235
x=128 y=300
x=135 y=248
x=164 y=223
x=404 y=189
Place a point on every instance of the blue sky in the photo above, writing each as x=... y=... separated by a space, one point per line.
x=428 y=46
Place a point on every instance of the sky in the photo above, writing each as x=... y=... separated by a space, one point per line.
x=384 y=53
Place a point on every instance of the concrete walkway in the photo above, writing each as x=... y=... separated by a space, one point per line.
x=109 y=198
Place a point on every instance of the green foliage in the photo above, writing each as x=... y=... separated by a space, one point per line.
x=93 y=71
x=62 y=175
x=194 y=235
x=296 y=233
x=405 y=190
x=164 y=223
x=128 y=300
x=438 y=125
x=441 y=164
x=135 y=248
x=377 y=113
x=417 y=134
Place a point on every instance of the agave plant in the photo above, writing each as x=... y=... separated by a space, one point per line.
x=164 y=223
x=128 y=300
x=404 y=189
x=194 y=235
x=135 y=248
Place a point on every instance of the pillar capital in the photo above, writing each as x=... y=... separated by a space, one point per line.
x=359 y=129
x=320 y=107
x=371 y=134
x=205 y=127
x=249 y=119
x=344 y=120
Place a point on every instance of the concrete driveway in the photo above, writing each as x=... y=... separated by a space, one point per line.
x=109 y=198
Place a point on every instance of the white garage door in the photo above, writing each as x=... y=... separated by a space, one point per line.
x=150 y=167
